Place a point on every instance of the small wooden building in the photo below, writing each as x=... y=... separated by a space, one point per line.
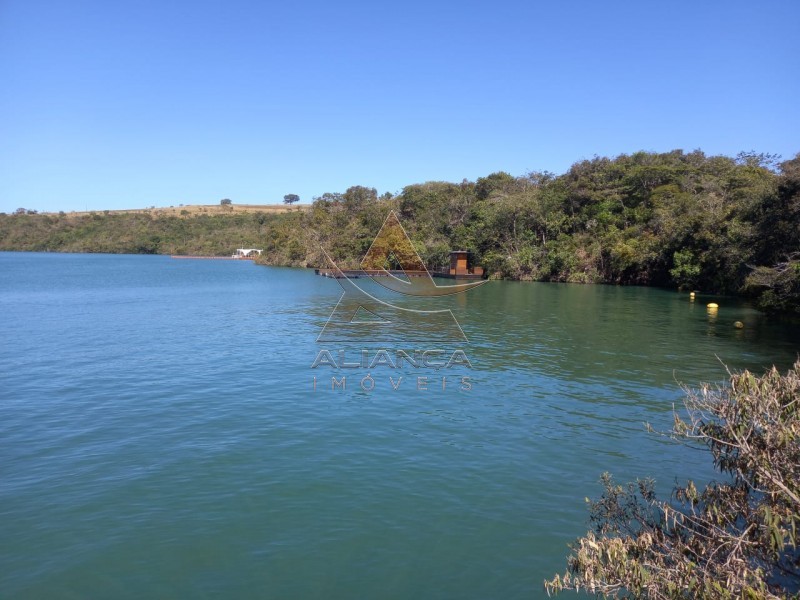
x=460 y=264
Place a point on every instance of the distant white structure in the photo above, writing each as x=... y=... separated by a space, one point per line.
x=247 y=253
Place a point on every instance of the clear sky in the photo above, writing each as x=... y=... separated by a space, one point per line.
x=138 y=103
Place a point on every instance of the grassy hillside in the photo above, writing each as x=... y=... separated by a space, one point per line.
x=216 y=232
x=191 y=210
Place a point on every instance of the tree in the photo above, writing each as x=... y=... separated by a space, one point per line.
x=358 y=197
x=225 y=202
x=735 y=539
x=778 y=287
x=686 y=269
x=291 y=198
x=491 y=183
x=763 y=160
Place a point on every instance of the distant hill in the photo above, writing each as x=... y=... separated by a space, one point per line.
x=191 y=210
x=211 y=230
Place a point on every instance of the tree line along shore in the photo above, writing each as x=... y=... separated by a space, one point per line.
x=727 y=225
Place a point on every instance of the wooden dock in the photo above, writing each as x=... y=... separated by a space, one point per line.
x=183 y=256
x=358 y=273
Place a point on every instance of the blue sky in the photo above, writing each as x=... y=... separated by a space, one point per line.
x=131 y=104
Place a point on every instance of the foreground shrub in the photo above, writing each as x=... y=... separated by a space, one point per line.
x=735 y=539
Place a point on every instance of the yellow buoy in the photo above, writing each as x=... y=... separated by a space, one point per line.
x=738 y=325
x=712 y=305
x=691 y=294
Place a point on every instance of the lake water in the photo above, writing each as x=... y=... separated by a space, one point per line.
x=160 y=436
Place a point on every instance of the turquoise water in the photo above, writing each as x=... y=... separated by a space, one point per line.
x=160 y=435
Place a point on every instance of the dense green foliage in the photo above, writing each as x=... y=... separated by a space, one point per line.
x=737 y=538
x=713 y=223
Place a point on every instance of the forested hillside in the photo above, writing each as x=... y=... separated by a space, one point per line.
x=137 y=233
x=713 y=223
